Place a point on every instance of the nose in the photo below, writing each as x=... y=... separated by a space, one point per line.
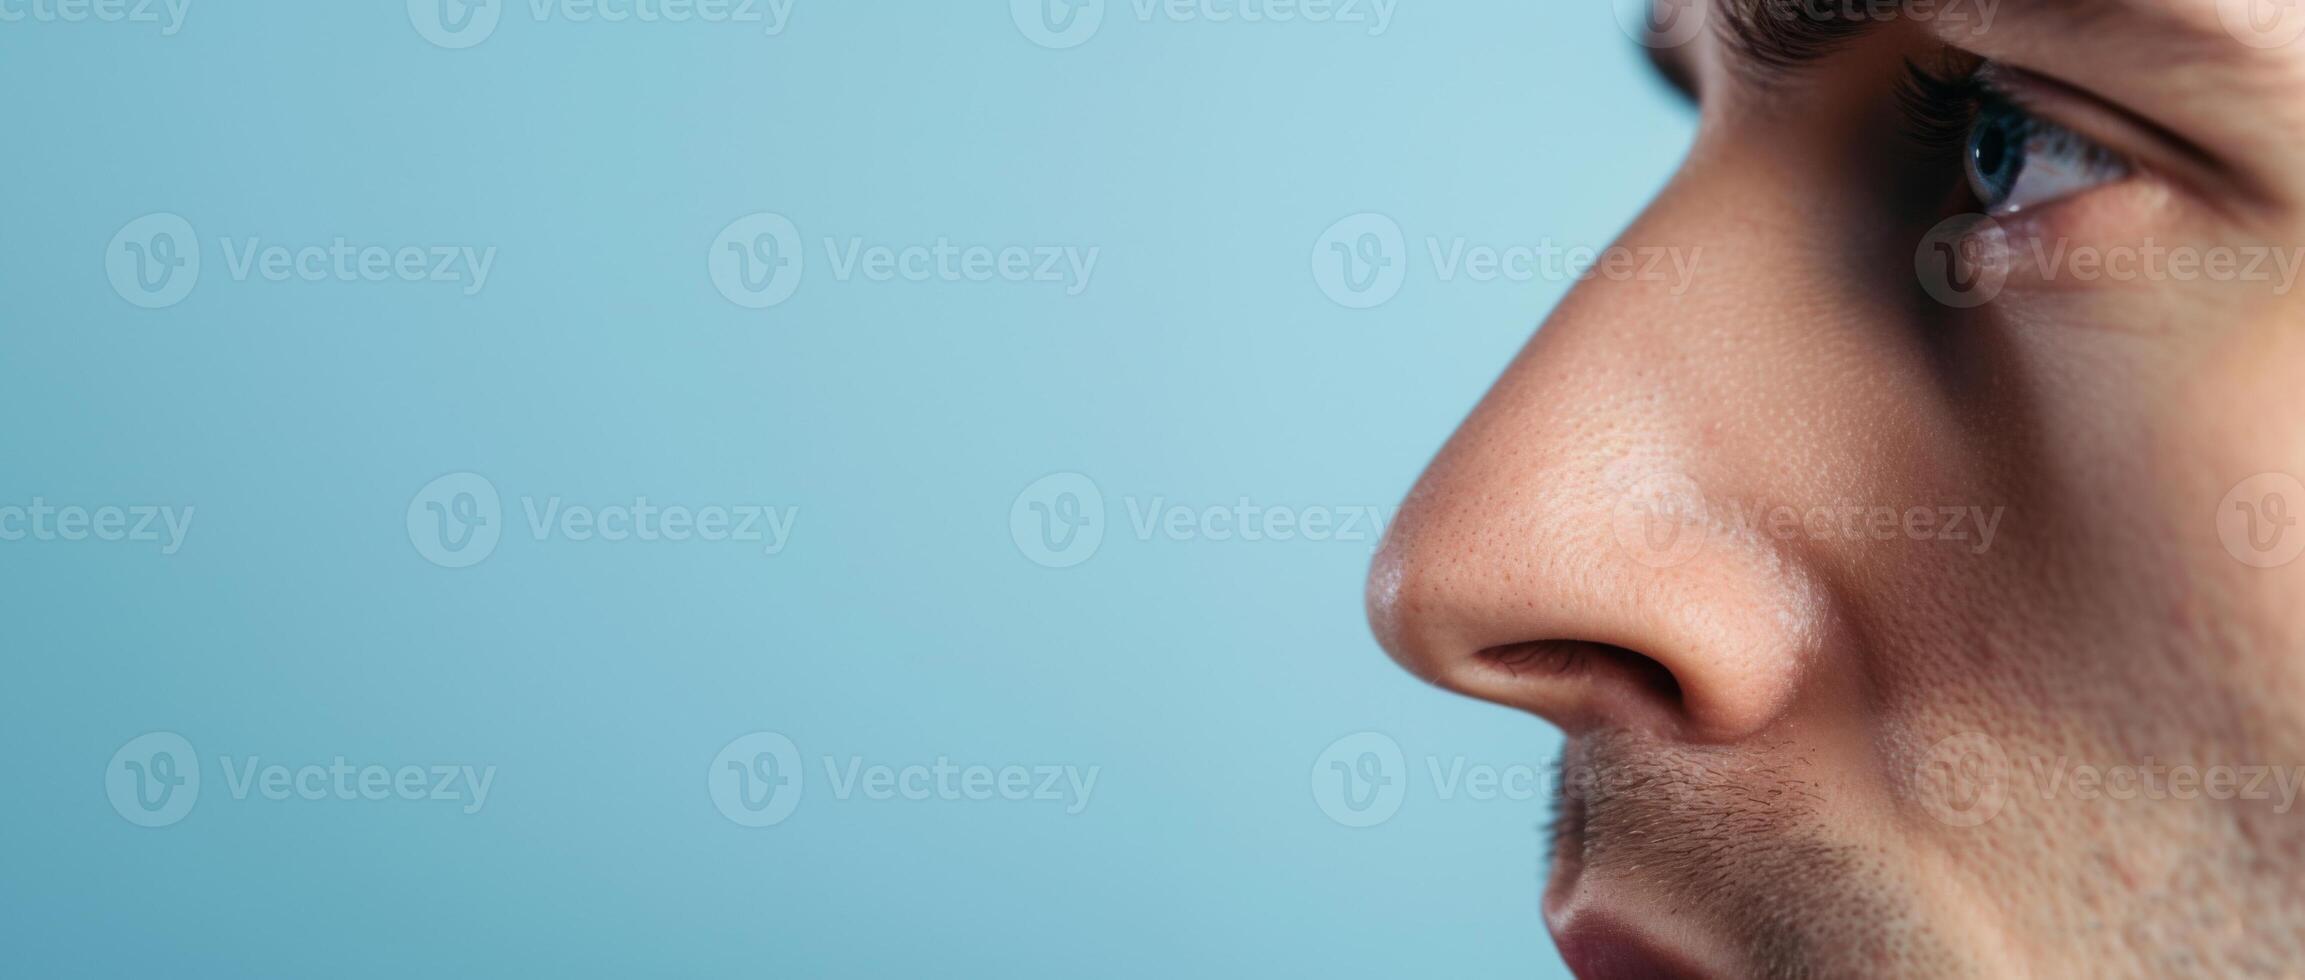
x=1582 y=548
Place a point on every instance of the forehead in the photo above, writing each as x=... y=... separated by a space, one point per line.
x=2130 y=34
x=2193 y=17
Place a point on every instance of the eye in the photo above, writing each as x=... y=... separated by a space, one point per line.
x=2017 y=160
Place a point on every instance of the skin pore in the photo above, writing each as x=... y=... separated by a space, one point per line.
x=1856 y=746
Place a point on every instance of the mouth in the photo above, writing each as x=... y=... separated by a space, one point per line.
x=1597 y=929
x=1598 y=947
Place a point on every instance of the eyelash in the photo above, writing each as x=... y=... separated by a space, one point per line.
x=1962 y=114
x=1939 y=107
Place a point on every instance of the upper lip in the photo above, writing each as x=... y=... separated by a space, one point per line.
x=1596 y=933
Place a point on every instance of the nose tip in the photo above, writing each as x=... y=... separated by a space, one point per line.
x=1515 y=577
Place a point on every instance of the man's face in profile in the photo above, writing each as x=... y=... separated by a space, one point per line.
x=1919 y=588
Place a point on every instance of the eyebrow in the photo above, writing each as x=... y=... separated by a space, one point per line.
x=1768 y=40
x=1773 y=39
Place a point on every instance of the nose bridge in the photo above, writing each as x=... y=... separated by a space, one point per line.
x=1590 y=501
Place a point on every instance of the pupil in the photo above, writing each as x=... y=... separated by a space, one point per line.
x=1990 y=147
x=1997 y=152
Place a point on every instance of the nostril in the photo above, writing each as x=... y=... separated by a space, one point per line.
x=1574 y=658
x=1542 y=658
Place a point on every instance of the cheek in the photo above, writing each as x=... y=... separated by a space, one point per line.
x=2149 y=448
x=2232 y=448
x=2064 y=615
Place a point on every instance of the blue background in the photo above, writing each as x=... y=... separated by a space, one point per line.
x=1201 y=365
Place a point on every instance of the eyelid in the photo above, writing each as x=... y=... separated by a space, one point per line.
x=2151 y=151
x=2051 y=162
